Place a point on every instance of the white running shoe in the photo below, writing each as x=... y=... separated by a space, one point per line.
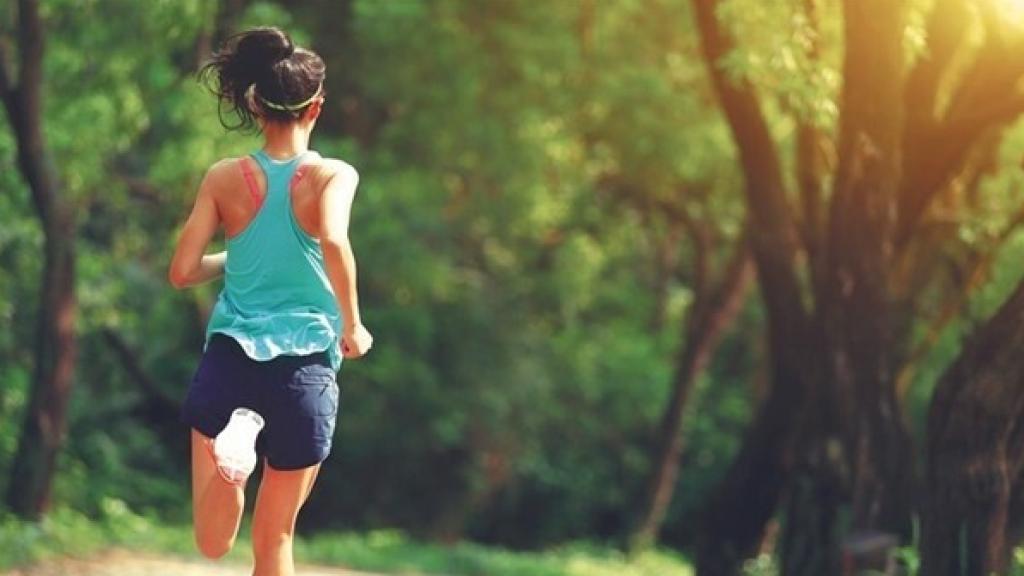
x=234 y=448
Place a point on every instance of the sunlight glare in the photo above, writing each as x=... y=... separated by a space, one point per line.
x=1013 y=10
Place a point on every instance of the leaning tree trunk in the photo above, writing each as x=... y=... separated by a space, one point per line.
x=711 y=317
x=975 y=451
x=734 y=520
x=34 y=463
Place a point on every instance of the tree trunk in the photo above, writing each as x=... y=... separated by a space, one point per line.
x=810 y=538
x=853 y=447
x=745 y=500
x=736 y=516
x=703 y=331
x=32 y=470
x=34 y=464
x=859 y=312
x=975 y=451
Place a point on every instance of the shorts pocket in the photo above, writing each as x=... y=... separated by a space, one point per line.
x=315 y=389
x=328 y=405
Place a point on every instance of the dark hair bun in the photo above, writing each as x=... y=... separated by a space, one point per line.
x=263 y=47
x=265 y=58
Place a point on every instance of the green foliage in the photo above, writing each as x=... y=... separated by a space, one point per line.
x=762 y=565
x=508 y=273
x=61 y=532
x=790 y=54
x=493 y=164
x=66 y=532
x=391 y=552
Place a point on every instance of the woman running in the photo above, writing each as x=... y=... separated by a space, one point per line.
x=288 y=312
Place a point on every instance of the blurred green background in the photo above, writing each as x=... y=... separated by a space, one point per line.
x=551 y=206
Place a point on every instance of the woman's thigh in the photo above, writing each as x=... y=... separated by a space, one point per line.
x=204 y=478
x=281 y=494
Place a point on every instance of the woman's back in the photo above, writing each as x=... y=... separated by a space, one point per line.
x=237 y=205
x=277 y=297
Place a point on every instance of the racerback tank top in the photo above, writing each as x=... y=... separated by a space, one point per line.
x=277 y=299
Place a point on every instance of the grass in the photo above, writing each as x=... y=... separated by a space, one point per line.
x=69 y=533
x=66 y=532
x=391 y=552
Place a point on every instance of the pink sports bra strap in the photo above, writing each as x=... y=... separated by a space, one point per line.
x=250 y=182
x=299 y=173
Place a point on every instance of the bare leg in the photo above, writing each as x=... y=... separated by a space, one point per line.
x=217 y=505
x=282 y=493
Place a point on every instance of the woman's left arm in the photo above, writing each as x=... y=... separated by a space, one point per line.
x=190 y=265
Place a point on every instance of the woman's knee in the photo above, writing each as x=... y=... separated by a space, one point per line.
x=268 y=541
x=213 y=548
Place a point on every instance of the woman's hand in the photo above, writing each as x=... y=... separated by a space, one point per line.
x=356 y=341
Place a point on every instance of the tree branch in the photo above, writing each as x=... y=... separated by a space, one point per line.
x=736 y=514
x=30 y=41
x=944 y=33
x=701 y=241
x=714 y=310
x=142 y=189
x=1002 y=108
x=772 y=228
x=129 y=359
x=935 y=149
x=24 y=106
x=8 y=89
x=811 y=162
x=979 y=271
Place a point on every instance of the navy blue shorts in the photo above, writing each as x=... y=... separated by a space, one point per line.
x=296 y=395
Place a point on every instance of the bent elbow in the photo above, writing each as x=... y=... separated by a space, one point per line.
x=334 y=242
x=177 y=279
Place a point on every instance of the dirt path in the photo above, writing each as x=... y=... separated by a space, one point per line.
x=124 y=563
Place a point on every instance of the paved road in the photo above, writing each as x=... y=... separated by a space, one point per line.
x=122 y=563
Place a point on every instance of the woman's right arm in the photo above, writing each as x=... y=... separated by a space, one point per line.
x=190 y=265
x=339 y=259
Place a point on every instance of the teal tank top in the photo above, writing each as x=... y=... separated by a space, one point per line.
x=277 y=299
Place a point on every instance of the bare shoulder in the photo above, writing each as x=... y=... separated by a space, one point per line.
x=222 y=172
x=333 y=169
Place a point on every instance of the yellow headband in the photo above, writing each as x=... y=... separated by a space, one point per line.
x=291 y=107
